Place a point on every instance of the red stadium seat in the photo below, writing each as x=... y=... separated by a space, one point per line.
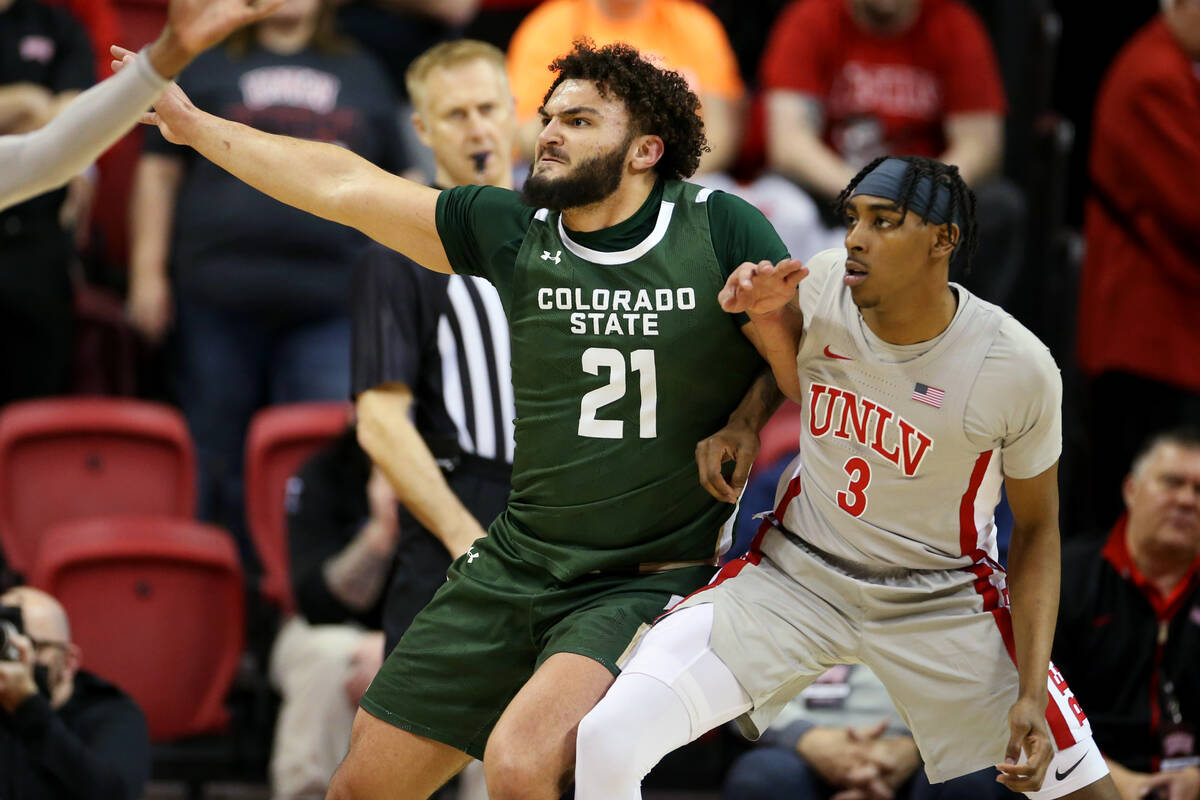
x=780 y=436
x=280 y=439
x=157 y=606
x=63 y=458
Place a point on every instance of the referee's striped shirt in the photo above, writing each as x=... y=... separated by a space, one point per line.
x=446 y=338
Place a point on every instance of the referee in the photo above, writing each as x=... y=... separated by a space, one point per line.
x=430 y=360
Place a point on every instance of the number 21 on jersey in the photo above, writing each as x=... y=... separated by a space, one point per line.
x=641 y=362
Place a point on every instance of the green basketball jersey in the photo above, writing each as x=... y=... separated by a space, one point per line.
x=621 y=361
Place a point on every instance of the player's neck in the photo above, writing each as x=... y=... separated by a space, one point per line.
x=614 y=209
x=912 y=316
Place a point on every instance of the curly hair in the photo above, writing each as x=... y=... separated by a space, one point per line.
x=659 y=100
x=962 y=199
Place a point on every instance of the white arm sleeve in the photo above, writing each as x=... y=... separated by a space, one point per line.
x=36 y=162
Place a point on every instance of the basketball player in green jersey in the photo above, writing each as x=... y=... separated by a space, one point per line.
x=608 y=268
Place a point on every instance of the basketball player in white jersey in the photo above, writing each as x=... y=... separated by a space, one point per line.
x=920 y=401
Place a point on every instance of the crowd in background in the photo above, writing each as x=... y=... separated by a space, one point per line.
x=1082 y=148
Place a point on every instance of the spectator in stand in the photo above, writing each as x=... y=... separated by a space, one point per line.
x=681 y=35
x=1138 y=335
x=847 y=81
x=260 y=292
x=65 y=734
x=342 y=533
x=45 y=61
x=1128 y=629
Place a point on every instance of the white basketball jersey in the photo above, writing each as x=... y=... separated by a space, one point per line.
x=902 y=458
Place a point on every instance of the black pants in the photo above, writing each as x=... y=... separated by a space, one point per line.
x=422 y=561
x=35 y=315
x=1124 y=411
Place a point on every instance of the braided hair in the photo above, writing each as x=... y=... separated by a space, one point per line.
x=962 y=199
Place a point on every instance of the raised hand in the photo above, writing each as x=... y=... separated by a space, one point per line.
x=762 y=288
x=199 y=24
x=171 y=104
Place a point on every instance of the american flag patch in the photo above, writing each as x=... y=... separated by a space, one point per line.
x=929 y=395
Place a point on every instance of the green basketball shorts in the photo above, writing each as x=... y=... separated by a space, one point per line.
x=493 y=623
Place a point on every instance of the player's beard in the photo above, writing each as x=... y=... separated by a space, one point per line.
x=589 y=182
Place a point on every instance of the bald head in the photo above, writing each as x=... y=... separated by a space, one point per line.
x=45 y=620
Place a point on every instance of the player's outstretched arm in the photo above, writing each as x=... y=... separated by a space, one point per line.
x=322 y=179
x=1033 y=578
x=39 y=161
x=767 y=293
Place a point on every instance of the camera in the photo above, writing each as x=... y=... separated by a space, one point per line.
x=11 y=625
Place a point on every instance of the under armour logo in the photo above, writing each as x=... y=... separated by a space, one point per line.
x=472 y=555
x=556 y=258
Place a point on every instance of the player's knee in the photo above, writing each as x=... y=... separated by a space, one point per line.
x=341 y=786
x=516 y=772
x=606 y=749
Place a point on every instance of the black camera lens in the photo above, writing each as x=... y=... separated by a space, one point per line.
x=8 y=647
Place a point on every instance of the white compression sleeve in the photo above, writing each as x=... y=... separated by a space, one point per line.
x=638 y=722
x=674 y=689
x=36 y=162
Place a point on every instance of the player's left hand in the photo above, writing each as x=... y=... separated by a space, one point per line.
x=1028 y=732
x=737 y=442
x=762 y=288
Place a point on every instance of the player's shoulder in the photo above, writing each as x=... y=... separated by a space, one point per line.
x=1016 y=354
x=488 y=199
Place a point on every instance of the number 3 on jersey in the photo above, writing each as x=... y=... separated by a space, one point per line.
x=641 y=362
x=853 y=499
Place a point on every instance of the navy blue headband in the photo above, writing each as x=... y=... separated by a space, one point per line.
x=885 y=181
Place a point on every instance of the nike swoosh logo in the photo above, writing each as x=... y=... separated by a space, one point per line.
x=830 y=354
x=1058 y=776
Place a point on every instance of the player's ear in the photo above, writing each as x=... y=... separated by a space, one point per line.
x=646 y=151
x=945 y=239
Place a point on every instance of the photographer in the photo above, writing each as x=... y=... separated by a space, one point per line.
x=64 y=733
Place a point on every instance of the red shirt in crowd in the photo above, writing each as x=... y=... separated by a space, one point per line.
x=885 y=95
x=1139 y=303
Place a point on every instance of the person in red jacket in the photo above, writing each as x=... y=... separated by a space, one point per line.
x=1128 y=628
x=1139 y=339
x=847 y=81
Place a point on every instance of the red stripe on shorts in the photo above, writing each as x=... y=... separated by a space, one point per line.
x=1059 y=729
x=1063 y=738
x=968 y=535
x=753 y=556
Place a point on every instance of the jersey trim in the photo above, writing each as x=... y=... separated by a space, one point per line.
x=623 y=256
x=968 y=534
